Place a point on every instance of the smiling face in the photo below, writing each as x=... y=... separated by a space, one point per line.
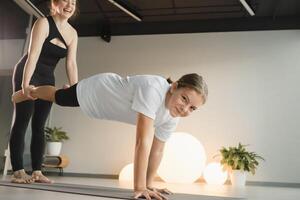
x=183 y=101
x=64 y=8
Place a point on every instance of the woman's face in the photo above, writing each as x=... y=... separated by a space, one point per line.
x=183 y=101
x=65 y=8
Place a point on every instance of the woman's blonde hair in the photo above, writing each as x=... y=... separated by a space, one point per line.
x=193 y=81
x=53 y=12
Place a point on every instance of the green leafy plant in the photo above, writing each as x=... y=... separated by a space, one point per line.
x=238 y=158
x=55 y=134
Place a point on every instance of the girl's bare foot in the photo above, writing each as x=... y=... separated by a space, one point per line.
x=40 y=178
x=19 y=96
x=22 y=177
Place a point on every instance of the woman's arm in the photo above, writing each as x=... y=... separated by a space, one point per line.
x=71 y=64
x=39 y=33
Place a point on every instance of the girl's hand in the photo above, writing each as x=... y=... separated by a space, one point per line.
x=160 y=190
x=148 y=195
x=27 y=92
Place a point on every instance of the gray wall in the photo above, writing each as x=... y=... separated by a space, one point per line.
x=253 y=97
x=6 y=109
x=10 y=53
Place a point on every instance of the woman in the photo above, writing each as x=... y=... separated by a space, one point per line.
x=143 y=100
x=52 y=38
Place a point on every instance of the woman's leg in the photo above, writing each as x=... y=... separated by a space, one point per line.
x=41 y=111
x=21 y=118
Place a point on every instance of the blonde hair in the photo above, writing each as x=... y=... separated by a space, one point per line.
x=193 y=81
x=53 y=11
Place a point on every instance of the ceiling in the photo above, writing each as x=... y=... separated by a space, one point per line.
x=100 y=17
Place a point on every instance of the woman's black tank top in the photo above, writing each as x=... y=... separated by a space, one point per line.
x=47 y=61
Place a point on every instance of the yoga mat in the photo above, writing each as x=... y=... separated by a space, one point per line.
x=107 y=192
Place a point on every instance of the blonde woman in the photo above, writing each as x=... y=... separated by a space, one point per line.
x=143 y=100
x=52 y=38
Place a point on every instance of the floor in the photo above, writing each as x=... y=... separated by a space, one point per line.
x=249 y=192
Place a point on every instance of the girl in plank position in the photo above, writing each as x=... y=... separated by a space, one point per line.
x=143 y=100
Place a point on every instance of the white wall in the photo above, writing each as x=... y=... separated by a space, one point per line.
x=253 y=97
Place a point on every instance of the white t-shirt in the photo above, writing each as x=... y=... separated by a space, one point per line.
x=109 y=96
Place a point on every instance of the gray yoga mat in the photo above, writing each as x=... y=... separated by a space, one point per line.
x=100 y=191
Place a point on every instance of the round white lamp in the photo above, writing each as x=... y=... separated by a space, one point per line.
x=214 y=174
x=126 y=173
x=183 y=160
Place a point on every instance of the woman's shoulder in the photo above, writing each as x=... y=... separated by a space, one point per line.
x=42 y=21
x=41 y=26
x=72 y=30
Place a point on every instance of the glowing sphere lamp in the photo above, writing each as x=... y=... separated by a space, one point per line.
x=183 y=160
x=214 y=175
x=126 y=173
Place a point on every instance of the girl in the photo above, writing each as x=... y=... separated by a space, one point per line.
x=52 y=38
x=142 y=100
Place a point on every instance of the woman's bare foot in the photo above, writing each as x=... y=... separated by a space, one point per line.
x=21 y=176
x=40 y=178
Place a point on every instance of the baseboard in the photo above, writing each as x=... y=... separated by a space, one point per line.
x=273 y=184
x=55 y=172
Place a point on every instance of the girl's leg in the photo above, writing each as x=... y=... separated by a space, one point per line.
x=46 y=93
x=67 y=97
x=62 y=97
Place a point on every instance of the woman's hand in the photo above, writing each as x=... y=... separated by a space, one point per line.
x=66 y=86
x=27 y=91
x=160 y=190
x=148 y=195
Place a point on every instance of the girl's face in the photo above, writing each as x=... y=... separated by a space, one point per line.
x=65 y=8
x=183 y=101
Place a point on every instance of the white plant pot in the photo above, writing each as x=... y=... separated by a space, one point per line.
x=238 y=178
x=54 y=148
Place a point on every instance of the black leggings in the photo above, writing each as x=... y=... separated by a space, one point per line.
x=38 y=111
x=67 y=97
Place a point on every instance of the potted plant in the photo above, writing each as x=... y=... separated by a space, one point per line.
x=54 y=138
x=239 y=161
